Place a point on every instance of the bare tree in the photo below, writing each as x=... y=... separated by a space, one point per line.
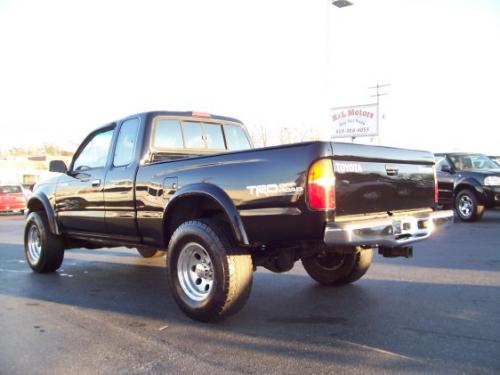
x=51 y=149
x=260 y=135
x=309 y=133
x=285 y=136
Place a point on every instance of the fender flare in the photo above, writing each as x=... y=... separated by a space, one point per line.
x=220 y=197
x=49 y=210
x=472 y=184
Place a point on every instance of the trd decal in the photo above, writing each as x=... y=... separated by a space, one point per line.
x=274 y=189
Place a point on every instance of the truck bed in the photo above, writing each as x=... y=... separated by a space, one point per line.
x=268 y=186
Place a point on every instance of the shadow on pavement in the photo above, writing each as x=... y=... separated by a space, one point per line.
x=386 y=324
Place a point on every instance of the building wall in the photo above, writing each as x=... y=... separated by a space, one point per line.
x=21 y=170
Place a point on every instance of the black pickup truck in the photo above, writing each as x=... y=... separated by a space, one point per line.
x=190 y=184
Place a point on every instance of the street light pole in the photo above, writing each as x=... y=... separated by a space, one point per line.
x=339 y=4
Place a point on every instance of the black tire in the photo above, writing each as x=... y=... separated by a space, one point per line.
x=467 y=206
x=43 y=250
x=150 y=253
x=218 y=263
x=335 y=269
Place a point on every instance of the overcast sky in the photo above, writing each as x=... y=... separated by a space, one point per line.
x=67 y=67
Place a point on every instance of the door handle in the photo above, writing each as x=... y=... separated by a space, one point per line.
x=96 y=183
x=391 y=170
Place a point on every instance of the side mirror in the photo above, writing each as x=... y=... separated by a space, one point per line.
x=58 y=166
x=446 y=168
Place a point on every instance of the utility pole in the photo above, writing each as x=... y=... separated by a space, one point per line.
x=378 y=94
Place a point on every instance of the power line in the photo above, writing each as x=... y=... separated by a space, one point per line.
x=378 y=87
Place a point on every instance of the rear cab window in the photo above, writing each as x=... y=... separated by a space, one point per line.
x=167 y=135
x=193 y=135
x=214 y=137
x=185 y=137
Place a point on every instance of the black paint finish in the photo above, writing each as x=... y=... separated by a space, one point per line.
x=452 y=181
x=139 y=204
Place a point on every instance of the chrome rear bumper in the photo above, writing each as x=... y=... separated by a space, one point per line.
x=392 y=231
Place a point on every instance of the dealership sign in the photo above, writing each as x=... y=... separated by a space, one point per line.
x=355 y=121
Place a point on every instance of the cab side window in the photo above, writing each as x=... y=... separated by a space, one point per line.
x=95 y=152
x=126 y=143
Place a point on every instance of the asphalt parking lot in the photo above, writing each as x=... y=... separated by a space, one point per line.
x=110 y=311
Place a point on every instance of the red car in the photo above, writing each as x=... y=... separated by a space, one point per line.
x=12 y=198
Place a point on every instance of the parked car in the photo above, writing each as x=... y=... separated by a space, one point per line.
x=470 y=183
x=12 y=198
x=191 y=184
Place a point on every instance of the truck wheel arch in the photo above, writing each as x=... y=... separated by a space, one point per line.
x=470 y=184
x=192 y=201
x=40 y=202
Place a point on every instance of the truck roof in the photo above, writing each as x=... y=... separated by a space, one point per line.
x=188 y=114
x=149 y=114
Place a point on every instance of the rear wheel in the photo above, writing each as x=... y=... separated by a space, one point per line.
x=44 y=251
x=336 y=269
x=210 y=278
x=467 y=206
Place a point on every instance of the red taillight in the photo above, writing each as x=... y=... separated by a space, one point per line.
x=436 y=187
x=321 y=185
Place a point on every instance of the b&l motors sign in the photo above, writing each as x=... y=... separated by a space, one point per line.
x=355 y=121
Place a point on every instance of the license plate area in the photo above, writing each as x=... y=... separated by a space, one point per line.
x=397 y=227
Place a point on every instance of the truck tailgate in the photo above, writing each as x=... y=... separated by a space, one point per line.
x=379 y=179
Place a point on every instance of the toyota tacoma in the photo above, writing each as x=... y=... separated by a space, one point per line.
x=191 y=184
